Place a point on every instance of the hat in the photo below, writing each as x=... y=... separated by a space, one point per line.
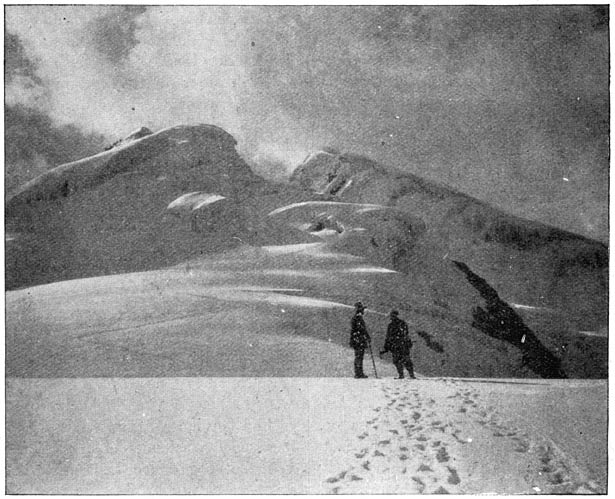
x=359 y=306
x=394 y=313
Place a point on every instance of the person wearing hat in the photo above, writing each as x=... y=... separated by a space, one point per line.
x=359 y=339
x=398 y=342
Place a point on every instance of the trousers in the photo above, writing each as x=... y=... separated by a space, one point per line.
x=358 y=362
x=401 y=360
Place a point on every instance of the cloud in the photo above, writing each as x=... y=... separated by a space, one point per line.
x=495 y=101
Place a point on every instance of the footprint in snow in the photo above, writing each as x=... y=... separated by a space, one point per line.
x=456 y=437
x=440 y=490
x=424 y=467
x=453 y=477
x=337 y=478
x=442 y=455
x=384 y=442
x=420 y=446
x=354 y=478
x=366 y=465
x=521 y=445
x=378 y=453
x=420 y=483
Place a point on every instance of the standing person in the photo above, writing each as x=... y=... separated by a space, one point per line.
x=398 y=342
x=359 y=339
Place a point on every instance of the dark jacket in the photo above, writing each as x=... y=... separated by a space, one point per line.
x=359 y=337
x=398 y=339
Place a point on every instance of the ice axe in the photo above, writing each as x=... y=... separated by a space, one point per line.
x=373 y=361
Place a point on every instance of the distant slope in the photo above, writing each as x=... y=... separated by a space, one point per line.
x=108 y=213
x=527 y=262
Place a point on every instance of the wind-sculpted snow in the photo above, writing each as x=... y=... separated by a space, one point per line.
x=385 y=235
x=193 y=201
x=361 y=206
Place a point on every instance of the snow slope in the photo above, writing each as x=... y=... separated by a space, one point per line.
x=526 y=261
x=298 y=436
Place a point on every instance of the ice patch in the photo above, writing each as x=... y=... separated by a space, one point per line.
x=193 y=201
x=259 y=288
x=375 y=270
x=365 y=206
x=273 y=296
x=367 y=209
x=527 y=307
x=346 y=185
x=293 y=248
x=294 y=273
x=211 y=199
x=314 y=154
x=602 y=333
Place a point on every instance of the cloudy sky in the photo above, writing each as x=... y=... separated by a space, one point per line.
x=509 y=104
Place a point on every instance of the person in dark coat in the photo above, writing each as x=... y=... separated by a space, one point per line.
x=398 y=342
x=359 y=339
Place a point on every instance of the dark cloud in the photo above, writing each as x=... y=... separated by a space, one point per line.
x=510 y=104
x=113 y=35
x=16 y=63
x=33 y=142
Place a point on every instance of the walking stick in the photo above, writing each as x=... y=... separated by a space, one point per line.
x=373 y=361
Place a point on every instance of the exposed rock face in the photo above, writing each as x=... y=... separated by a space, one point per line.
x=497 y=319
x=137 y=134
